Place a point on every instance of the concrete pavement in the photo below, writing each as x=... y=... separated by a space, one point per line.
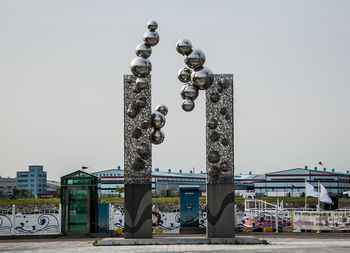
x=278 y=243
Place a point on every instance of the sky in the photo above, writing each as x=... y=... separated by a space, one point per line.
x=61 y=81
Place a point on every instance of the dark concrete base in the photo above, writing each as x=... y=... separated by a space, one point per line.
x=220 y=211
x=179 y=240
x=192 y=230
x=138 y=210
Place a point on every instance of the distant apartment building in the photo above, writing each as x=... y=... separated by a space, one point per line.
x=33 y=180
x=6 y=186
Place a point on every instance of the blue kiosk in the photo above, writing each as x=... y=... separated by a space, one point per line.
x=189 y=209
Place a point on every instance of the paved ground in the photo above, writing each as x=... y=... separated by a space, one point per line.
x=278 y=243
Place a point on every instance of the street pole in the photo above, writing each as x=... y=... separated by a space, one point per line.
x=305 y=196
x=318 y=204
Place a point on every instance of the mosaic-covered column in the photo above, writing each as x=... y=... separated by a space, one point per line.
x=137 y=159
x=220 y=157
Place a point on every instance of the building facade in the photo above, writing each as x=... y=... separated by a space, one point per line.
x=7 y=185
x=166 y=183
x=52 y=186
x=292 y=182
x=34 y=180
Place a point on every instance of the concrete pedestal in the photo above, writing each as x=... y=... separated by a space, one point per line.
x=138 y=210
x=220 y=211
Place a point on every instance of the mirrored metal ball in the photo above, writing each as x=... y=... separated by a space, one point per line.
x=140 y=102
x=214 y=172
x=212 y=123
x=163 y=109
x=215 y=97
x=144 y=151
x=184 y=46
x=214 y=136
x=189 y=91
x=152 y=25
x=187 y=105
x=138 y=164
x=202 y=78
x=144 y=51
x=196 y=59
x=157 y=136
x=224 y=83
x=214 y=156
x=140 y=67
x=158 y=120
x=132 y=111
x=141 y=83
x=184 y=75
x=151 y=38
x=224 y=166
x=137 y=133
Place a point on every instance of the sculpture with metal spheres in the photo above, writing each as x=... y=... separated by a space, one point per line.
x=219 y=134
x=141 y=68
x=196 y=75
x=141 y=129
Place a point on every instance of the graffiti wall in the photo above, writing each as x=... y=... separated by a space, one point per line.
x=335 y=220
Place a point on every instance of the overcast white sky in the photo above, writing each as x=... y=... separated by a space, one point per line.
x=62 y=65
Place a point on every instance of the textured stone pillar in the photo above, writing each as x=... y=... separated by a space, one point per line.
x=220 y=162
x=137 y=160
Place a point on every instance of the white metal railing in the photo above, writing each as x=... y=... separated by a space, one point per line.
x=30 y=219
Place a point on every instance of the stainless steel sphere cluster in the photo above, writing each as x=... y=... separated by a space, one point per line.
x=141 y=66
x=158 y=121
x=195 y=76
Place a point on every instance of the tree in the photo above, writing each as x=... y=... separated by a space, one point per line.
x=119 y=190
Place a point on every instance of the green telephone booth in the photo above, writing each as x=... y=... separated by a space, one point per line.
x=79 y=199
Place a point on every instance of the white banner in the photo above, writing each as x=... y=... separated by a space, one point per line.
x=309 y=220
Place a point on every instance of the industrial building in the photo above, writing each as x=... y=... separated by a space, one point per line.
x=7 y=185
x=292 y=182
x=166 y=183
x=163 y=183
x=33 y=180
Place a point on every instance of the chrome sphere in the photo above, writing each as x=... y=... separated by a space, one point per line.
x=212 y=123
x=140 y=102
x=132 y=111
x=189 y=91
x=184 y=75
x=196 y=59
x=157 y=136
x=213 y=156
x=187 y=105
x=202 y=78
x=138 y=164
x=141 y=83
x=163 y=109
x=224 y=167
x=144 y=151
x=151 y=38
x=140 y=67
x=157 y=119
x=143 y=50
x=184 y=46
x=214 y=172
x=152 y=25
